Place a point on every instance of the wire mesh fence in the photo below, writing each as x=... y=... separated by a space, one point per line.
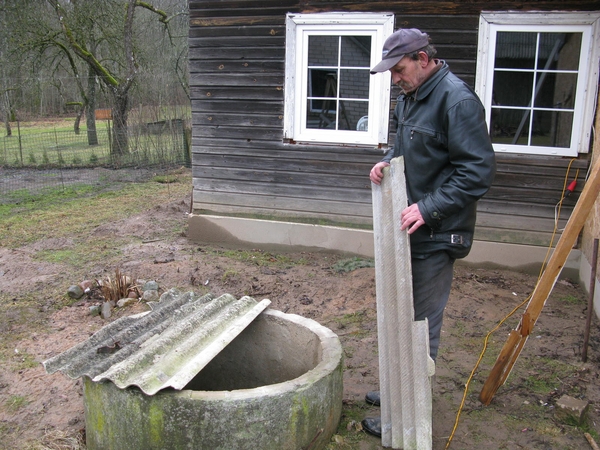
x=32 y=160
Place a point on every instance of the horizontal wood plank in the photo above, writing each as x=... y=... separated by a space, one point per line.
x=270 y=39
x=242 y=120
x=248 y=133
x=350 y=180
x=281 y=205
x=522 y=223
x=254 y=26
x=269 y=67
x=236 y=93
x=512 y=236
x=275 y=150
x=236 y=53
x=259 y=79
x=252 y=107
x=358 y=196
x=522 y=209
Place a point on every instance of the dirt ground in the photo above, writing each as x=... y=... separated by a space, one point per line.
x=46 y=411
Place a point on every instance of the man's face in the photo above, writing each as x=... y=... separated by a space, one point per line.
x=408 y=74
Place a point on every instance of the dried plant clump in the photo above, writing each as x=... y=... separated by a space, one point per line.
x=121 y=286
x=61 y=440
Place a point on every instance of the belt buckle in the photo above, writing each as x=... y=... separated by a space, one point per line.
x=456 y=239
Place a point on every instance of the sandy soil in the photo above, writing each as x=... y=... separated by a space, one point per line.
x=46 y=411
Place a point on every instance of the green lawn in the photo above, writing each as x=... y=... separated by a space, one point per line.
x=54 y=143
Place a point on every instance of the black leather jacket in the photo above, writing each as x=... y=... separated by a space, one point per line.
x=449 y=160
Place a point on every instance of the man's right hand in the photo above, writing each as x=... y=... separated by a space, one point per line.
x=376 y=174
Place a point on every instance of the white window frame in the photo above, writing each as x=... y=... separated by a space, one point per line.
x=298 y=28
x=587 y=87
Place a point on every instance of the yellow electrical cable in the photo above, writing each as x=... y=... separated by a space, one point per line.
x=519 y=306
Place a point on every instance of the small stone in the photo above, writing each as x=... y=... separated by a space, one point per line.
x=75 y=291
x=106 y=310
x=87 y=284
x=126 y=302
x=132 y=294
x=150 y=286
x=570 y=409
x=150 y=295
x=95 y=310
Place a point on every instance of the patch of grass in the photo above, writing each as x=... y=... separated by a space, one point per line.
x=550 y=378
x=57 y=143
x=349 y=433
x=229 y=275
x=571 y=300
x=68 y=256
x=355 y=318
x=258 y=257
x=16 y=402
x=350 y=264
x=25 y=360
x=82 y=253
x=459 y=328
x=67 y=213
x=22 y=200
x=20 y=315
x=166 y=179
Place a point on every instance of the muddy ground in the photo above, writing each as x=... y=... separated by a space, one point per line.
x=46 y=411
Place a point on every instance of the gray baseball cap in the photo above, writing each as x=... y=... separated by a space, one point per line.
x=403 y=41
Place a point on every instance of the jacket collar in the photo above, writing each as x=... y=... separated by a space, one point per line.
x=425 y=89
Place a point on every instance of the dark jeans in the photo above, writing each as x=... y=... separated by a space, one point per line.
x=432 y=279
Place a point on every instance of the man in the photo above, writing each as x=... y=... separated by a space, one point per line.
x=449 y=164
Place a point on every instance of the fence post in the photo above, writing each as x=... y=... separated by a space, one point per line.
x=187 y=144
x=20 y=146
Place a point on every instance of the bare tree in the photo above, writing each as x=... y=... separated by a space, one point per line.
x=118 y=73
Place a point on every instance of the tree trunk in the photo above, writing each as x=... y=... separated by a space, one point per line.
x=6 y=110
x=7 y=123
x=120 y=144
x=76 y=125
x=90 y=111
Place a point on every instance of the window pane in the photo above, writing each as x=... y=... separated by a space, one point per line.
x=351 y=114
x=556 y=90
x=322 y=83
x=552 y=128
x=515 y=50
x=323 y=50
x=356 y=51
x=508 y=125
x=512 y=88
x=559 y=51
x=354 y=84
x=323 y=117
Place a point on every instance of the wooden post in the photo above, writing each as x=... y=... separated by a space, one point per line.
x=590 y=307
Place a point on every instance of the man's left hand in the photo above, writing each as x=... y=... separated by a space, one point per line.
x=411 y=218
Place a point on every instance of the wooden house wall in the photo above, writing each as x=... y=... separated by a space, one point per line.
x=242 y=166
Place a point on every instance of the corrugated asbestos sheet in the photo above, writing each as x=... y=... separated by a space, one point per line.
x=164 y=347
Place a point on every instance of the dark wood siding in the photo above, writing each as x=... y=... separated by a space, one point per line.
x=242 y=167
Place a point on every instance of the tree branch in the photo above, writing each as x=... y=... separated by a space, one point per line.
x=81 y=50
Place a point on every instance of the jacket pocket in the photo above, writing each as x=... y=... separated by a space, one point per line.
x=426 y=135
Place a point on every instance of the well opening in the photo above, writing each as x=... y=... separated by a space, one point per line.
x=268 y=351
